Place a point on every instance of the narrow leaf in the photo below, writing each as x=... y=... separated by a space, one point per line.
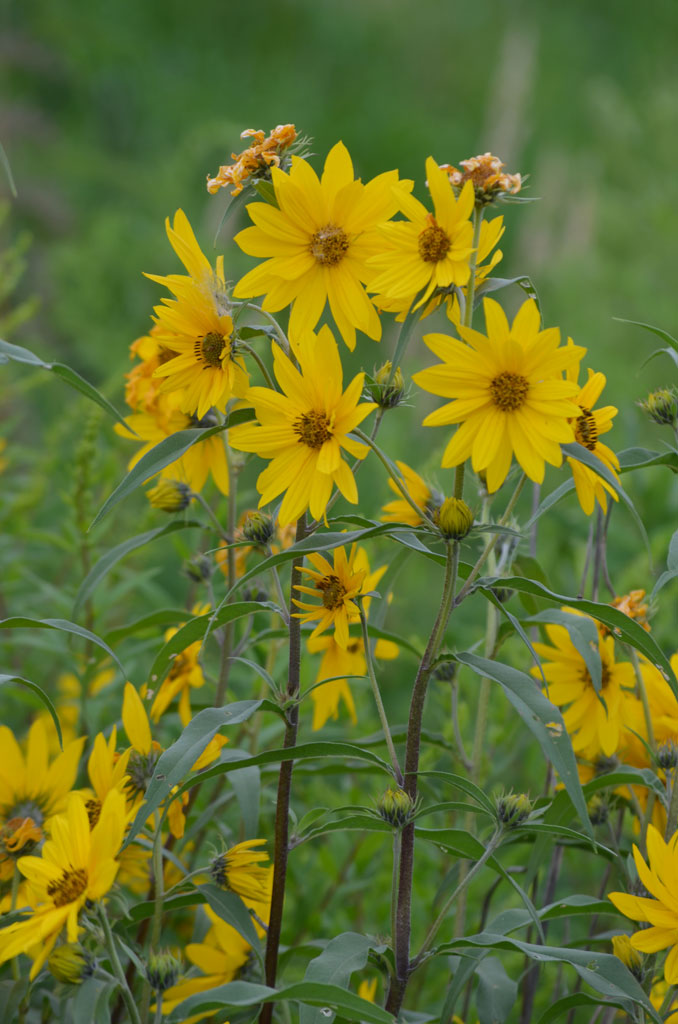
x=4 y=679
x=22 y=622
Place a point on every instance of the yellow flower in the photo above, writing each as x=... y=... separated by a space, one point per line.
x=509 y=396
x=592 y=725
x=304 y=429
x=32 y=785
x=185 y=674
x=197 y=325
x=239 y=870
x=107 y=770
x=588 y=426
x=426 y=251
x=337 y=585
x=367 y=989
x=76 y=865
x=400 y=511
x=660 y=909
x=624 y=951
x=318 y=244
x=337 y=661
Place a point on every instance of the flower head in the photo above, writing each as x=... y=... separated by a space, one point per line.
x=588 y=426
x=255 y=162
x=508 y=393
x=196 y=324
x=304 y=430
x=76 y=865
x=337 y=585
x=400 y=511
x=662 y=406
x=428 y=250
x=660 y=908
x=490 y=182
x=240 y=870
x=317 y=244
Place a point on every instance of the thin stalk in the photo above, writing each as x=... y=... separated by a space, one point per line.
x=642 y=690
x=280 y=334
x=158 y=884
x=597 y=554
x=213 y=519
x=282 y=811
x=403 y=341
x=394 y=883
x=421 y=513
x=433 y=930
x=281 y=595
x=587 y=562
x=475 y=571
x=672 y=819
x=473 y=261
x=377 y=699
x=260 y=363
x=229 y=628
x=404 y=907
x=117 y=967
x=158 y=1009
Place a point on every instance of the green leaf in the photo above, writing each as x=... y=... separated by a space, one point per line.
x=549 y=501
x=619 y=623
x=4 y=160
x=352 y=823
x=107 y=561
x=196 y=628
x=22 y=622
x=602 y=971
x=587 y=458
x=167 y=451
x=4 y=679
x=178 y=760
x=230 y=908
x=163 y=617
x=571 y=906
x=567 y=1003
x=22 y=355
x=497 y=993
x=664 y=335
x=466 y=786
x=247 y=787
x=341 y=956
x=671 y=353
x=584 y=637
x=244 y=993
x=538 y=713
x=635 y=458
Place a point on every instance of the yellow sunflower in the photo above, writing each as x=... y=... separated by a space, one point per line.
x=336 y=661
x=76 y=865
x=304 y=429
x=318 y=243
x=240 y=870
x=592 y=725
x=508 y=393
x=660 y=908
x=185 y=674
x=400 y=511
x=588 y=427
x=426 y=251
x=198 y=326
x=337 y=584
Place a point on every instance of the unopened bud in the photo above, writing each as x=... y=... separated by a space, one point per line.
x=170 y=496
x=258 y=528
x=630 y=957
x=513 y=808
x=389 y=386
x=598 y=809
x=667 y=755
x=162 y=970
x=446 y=671
x=396 y=807
x=455 y=518
x=198 y=568
x=661 y=406
x=70 y=964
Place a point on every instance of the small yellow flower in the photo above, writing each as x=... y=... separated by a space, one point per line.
x=186 y=674
x=660 y=909
x=239 y=870
x=367 y=989
x=304 y=430
x=170 y=496
x=400 y=511
x=337 y=584
x=588 y=426
x=508 y=394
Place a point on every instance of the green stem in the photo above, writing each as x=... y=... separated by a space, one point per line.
x=158 y=1008
x=260 y=363
x=672 y=819
x=213 y=519
x=421 y=513
x=394 y=882
x=158 y=884
x=473 y=262
x=282 y=337
x=229 y=628
x=377 y=699
x=642 y=690
x=281 y=595
x=117 y=967
x=433 y=930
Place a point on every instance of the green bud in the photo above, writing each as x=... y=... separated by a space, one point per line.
x=387 y=390
x=598 y=809
x=70 y=964
x=258 y=528
x=170 y=496
x=513 y=808
x=162 y=970
x=396 y=807
x=661 y=406
x=667 y=755
x=455 y=518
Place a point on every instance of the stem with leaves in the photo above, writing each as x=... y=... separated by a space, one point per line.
x=117 y=967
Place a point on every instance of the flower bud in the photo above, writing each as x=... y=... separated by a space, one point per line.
x=630 y=957
x=455 y=518
x=598 y=809
x=667 y=755
x=388 y=387
x=170 y=496
x=661 y=406
x=446 y=671
x=513 y=808
x=258 y=528
x=396 y=807
x=70 y=964
x=199 y=568
x=162 y=970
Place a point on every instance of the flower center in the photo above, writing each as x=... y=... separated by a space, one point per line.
x=180 y=665
x=208 y=349
x=353 y=646
x=333 y=591
x=313 y=429
x=329 y=245
x=605 y=676
x=434 y=243
x=140 y=768
x=509 y=391
x=67 y=888
x=93 y=808
x=586 y=429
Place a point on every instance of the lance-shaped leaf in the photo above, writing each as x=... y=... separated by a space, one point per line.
x=23 y=622
x=4 y=679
